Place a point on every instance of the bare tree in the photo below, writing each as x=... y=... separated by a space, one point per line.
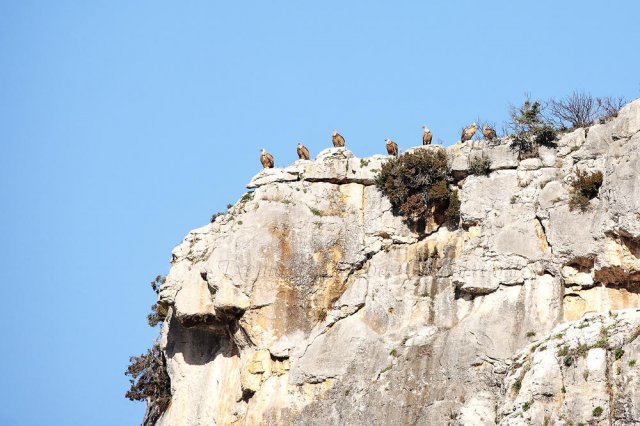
x=609 y=106
x=579 y=109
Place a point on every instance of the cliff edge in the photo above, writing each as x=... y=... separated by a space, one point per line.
x=311 y=303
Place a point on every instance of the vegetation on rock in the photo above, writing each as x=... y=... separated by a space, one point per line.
x=417 y=184
x=215 y=216
x=529 y=128
x=609 y=107
x=150 y=382
x=452 y=213
x=584 y=188
x=580 y=109
x=148 y=372
x=158 y=312
x=479 y=166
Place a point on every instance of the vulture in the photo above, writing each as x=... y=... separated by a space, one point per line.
x=338 y=140
x=488 y=132
x=303 y=152
x=427 y=136
x=468 y=132
x=392 y=147
x=266 y=159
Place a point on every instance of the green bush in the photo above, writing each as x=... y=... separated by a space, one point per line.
x=316 y=212
x=417 y=184
x=517 y=384
x=452 y=213
x=440 y=191
x=597 y=411
x=321 y=315
x=150 y=381
x=529 y=129
x=158 y=312
x=157 y=282
x=578 y=201
x=584 y=188
x=479 y=166
x=215 y=216
x=157 y=315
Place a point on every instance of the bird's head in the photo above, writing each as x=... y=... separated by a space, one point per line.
x=425 y=128
x=262 y=151
x=299 y=145
x=387 y=141
x=335 y=132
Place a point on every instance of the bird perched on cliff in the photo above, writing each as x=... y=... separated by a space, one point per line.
x=468 y=132
x=338 y=140
x=427 y=136
x=303 y=152
x=392 y=147
x=488 y=132
x=266 y=159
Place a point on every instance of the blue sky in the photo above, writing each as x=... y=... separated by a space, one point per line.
x=123 y=124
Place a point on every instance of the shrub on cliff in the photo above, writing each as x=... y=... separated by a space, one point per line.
x=584 y=188
x=150 y=382
x=417 y=184
x=157 y=315
x=158 y=312
x=609 y=107
x=579 y=109
x=215 y=216
x=529 y=129
x=452 y=213
x=480 y=166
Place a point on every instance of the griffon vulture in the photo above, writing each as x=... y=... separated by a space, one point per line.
x=338 y=140
x=266 y=159
x=392 y=147
x=427 y=136
x=303 y=152
x=488 y=132
x=468 y=132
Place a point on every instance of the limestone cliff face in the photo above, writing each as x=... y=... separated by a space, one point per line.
x=311 y=303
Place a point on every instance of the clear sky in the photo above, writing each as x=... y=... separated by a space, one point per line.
x=124 y=124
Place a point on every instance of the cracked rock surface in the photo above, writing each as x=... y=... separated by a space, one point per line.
x=311 y=303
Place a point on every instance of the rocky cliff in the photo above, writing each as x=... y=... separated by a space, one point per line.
x=311 y=303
